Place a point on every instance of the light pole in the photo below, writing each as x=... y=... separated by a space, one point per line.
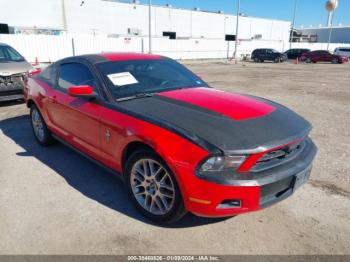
x=64 y=17
x=150 y=25
x=293 y=24
x=237 y=27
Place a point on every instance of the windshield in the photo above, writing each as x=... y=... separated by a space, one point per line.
x=140 y=77
x=8 y=54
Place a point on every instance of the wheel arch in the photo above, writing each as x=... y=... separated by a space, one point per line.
x=132 y=147
x=30 y=102
x=137 y=145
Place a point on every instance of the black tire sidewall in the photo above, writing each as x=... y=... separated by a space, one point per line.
x=177 y=211
x=47 y=135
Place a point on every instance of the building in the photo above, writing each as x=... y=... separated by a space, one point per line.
x=340 y=34
x=116 y=18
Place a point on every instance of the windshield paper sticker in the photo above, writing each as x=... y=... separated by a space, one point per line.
x=122 y=79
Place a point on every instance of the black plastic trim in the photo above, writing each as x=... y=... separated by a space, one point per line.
x=4 y=98
x=291 y=168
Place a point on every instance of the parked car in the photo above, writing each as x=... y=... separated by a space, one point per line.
x=267 y=54
x=13 y=68
x=342 y=51
x=296 y=52
x=178 y=144
x=323 y=56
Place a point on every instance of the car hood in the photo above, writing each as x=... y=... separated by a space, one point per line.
x=11 y=68
x=231 y=123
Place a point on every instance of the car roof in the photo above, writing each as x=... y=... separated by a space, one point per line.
x=129 y=56
x=3 y=44
x=115 y=56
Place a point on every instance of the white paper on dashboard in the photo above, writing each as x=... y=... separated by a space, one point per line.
x=122 y=79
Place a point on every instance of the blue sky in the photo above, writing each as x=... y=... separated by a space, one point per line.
x=310 y=12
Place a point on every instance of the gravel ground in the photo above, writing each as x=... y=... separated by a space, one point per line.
x=53 y=201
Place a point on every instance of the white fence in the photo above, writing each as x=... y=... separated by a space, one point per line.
x=47 y=48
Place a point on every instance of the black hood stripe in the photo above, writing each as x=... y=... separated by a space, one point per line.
x=188 y=105
x=215 y=132
x=213 y=150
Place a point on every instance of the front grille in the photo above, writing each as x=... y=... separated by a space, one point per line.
x=11 y=83
x=279 y=156
x=276 y=191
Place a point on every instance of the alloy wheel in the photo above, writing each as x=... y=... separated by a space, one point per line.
x=38 y=125
x=152 y=186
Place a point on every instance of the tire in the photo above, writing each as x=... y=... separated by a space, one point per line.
x=261 y=61
x=308 y=60
x=40 y=130
x=277 y=60
x=335 y=61
x=157 y=197
x=256 y=60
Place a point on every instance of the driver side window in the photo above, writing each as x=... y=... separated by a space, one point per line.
x=75 y=74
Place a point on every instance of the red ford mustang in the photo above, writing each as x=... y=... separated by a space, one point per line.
x=178 y=144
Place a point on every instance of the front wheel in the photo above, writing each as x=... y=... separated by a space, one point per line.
x=41 y=133
x=153 y=188
x=277 y=60
x=335 y=61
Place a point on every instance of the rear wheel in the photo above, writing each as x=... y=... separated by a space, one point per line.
x=41 y=133
x=277 y=60
x=308 y=60
x=153 y=188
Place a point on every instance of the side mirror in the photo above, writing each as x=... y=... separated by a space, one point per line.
x=34 y=71
x=82 y=91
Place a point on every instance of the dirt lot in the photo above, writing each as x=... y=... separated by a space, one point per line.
x=53 y=201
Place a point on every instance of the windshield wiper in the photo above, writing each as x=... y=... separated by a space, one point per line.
x=140 y=95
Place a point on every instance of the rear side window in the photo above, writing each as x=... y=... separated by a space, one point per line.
x=75 y=74
x=324 y=52
x=48 y=75
x=344 y=49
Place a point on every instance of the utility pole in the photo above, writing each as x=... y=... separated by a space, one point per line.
x=64 y=17
x=150 y=25
x=237 y=28
x=293 y=25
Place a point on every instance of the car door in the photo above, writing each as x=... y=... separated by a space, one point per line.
x=267 y=54
x=316 y=56
x=291 y=53
x=327 y=57
x=77 y=119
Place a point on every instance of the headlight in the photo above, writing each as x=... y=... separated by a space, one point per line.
x=222 y=163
